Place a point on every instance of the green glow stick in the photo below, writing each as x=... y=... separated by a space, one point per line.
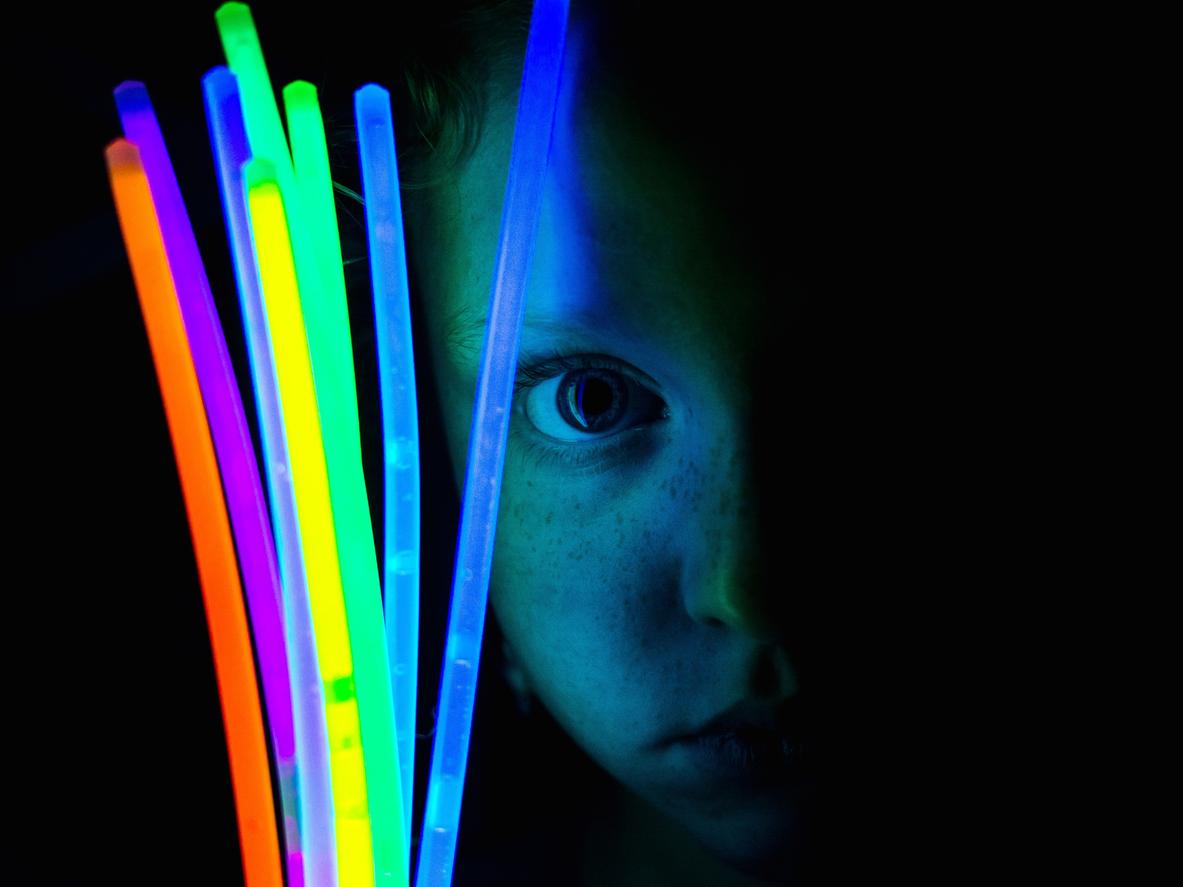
x=245 y=56
x=400 y=422
x=332 y=359
x=326 y=321
x=310 y=163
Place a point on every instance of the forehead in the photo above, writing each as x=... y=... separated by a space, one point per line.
x=646 y=230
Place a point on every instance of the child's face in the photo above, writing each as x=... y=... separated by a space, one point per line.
x=630 y=575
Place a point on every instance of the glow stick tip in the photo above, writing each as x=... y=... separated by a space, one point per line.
x=131 y=96
x=234 y=14
x=372 y=105
x=236 y=26
x=122 y=153
x=259 y=171
x=218 y=77
x=299 y=91
x=371 y=91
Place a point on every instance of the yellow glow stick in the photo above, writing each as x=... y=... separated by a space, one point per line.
x=293 y=368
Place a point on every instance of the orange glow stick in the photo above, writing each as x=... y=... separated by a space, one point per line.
x=209 y=525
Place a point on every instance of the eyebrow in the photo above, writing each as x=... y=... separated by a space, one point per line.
x=464 y=330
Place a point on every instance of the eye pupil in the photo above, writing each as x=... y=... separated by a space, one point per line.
x=595 y=396
x=591 y=399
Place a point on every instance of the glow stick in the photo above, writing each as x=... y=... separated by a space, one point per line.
x=231 y=434
x=310 y=164
x=240 y=42
x=341 y=443
x=266 y=139
x=293 y=370
x=326 y=318
x=208 y=523
x=400 y=427
x=312 y=777
x=486 y=447
x=396 y=375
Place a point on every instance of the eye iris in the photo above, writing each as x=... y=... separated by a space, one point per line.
x=591 y=399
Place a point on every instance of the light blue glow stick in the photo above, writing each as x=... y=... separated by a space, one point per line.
x=400 y=427
x=486 y=445
x=315 y=827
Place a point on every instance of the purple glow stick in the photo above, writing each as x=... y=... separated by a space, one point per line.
x=232 y=442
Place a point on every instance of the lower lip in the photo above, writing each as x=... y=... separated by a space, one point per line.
x=756 y=755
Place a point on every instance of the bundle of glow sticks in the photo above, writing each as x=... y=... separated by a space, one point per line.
x=339 y=672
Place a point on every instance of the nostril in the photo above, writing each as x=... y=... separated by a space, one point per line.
x=773 y=674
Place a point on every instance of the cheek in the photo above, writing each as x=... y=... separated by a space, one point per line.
x=585 y=589
x=586 y=557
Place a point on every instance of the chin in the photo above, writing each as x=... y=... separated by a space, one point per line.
x=785 y=864
x=779 y=867
x=771 y=845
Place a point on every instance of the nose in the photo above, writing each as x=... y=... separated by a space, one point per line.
x=725 y=580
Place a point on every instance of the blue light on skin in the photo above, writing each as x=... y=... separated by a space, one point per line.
x=630 y=578
x=535 y=111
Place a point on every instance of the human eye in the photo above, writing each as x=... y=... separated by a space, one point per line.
x=585 y=408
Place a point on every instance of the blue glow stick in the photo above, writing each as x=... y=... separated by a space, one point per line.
x=315 y=827
x=231 y=435
x=486 y=446
x=400 y=427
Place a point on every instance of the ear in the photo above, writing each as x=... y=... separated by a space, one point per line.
x=515 y=676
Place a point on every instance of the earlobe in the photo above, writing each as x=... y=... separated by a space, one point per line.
x=516 y=678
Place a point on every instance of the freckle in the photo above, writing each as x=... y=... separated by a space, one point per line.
x=550 y=515
x=619 y=518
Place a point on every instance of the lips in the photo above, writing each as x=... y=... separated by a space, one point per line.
x=753 y=747
x=751 y=732
x=749 y=717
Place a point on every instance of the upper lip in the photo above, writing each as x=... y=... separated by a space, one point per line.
x=746 y=715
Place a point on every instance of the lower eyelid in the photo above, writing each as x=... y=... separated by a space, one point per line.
x=593 y=456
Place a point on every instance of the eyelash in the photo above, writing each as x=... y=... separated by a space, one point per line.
x=557 y=363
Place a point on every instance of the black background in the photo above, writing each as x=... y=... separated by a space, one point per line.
x=115 y=751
